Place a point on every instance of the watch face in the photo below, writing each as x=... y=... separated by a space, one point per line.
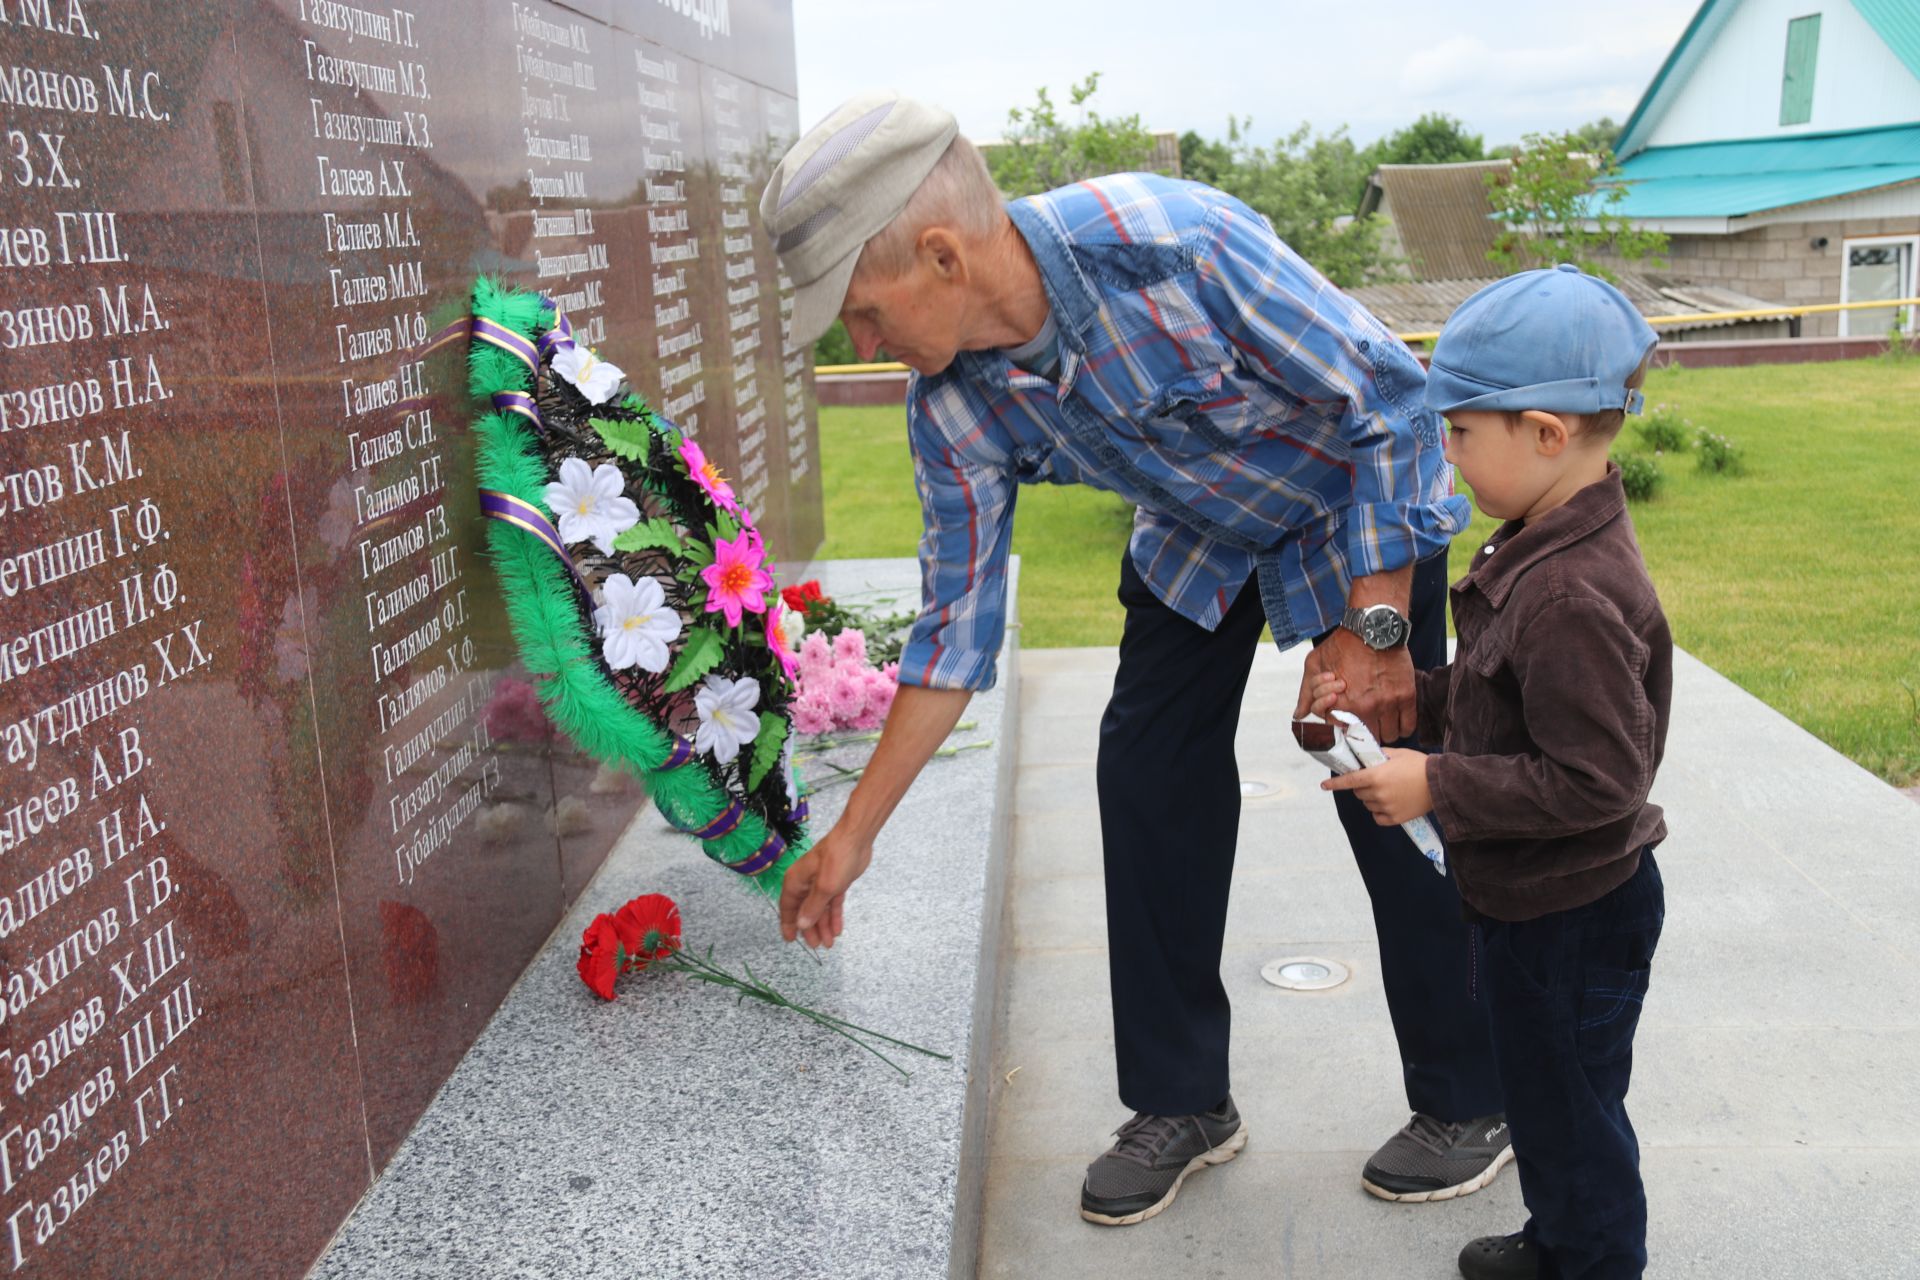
x=1383 y=628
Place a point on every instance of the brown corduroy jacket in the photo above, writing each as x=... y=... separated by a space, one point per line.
x=1553 y=713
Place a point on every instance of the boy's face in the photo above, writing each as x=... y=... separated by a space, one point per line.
x=1501 y=462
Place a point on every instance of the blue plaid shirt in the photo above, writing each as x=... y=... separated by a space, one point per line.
x=1265 y=425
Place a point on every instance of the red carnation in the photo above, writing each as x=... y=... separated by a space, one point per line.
x=600 y=957
x=798 y=598
x=649 y=929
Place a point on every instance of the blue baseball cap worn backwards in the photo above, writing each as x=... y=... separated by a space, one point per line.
x=1557 y=340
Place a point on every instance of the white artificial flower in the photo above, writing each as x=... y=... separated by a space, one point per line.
x=793 y=626
x=592 y=504
x=786 y=770
x=596 y=379
x=727 y=718
x=636 y=623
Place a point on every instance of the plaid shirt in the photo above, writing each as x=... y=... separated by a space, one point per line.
x=1264 y=424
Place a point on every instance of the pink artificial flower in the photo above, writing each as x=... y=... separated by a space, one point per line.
x=708 y=477
x=735 y=581
x=777 y=641
x=811 y=714
x=850 y=647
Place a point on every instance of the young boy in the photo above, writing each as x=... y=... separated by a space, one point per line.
x=1552 y=716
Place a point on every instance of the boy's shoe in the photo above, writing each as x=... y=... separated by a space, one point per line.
x=1151 y=1156
x=1432 y=1160
x=1500 y=1258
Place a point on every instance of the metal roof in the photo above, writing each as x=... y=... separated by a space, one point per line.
x=1422 y=305
x=1733 y=179
x=1441 y=214
x=1898 y=23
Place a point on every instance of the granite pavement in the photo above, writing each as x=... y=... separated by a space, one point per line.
x=1774 y=1092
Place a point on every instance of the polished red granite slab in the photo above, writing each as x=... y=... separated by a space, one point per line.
x=281 y=821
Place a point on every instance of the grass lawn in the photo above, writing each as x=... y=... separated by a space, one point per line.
x=1799 y=580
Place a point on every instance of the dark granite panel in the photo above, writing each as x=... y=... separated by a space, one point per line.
x=177 y=1018
x=681 y=187
x=752 y=39
x=439 y=782
x=786 y=370
x=316 y=822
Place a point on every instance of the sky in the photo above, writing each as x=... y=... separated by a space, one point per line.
x=1504 y=67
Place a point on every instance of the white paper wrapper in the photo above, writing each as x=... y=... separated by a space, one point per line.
x=1354 y=748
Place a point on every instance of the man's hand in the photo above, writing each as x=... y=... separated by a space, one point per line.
x=1378 y=684
x=813 y=897
x=1394 y=792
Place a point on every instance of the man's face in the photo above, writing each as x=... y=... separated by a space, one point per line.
x=912 y=317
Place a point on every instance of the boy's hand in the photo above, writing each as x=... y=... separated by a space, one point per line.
x=1323 y=691
x=1394 y=792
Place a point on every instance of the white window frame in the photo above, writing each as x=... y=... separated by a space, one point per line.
x=1911 y=290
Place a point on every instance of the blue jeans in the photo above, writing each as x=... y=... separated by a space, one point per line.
x=1564 y=994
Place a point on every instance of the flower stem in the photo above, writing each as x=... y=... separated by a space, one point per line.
x=703 y=969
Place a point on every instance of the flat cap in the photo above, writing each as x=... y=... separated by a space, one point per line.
x=839 y=186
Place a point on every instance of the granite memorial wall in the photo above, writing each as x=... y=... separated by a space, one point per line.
x=281 y=822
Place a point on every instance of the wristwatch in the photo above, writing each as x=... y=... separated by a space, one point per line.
x=1381 y=626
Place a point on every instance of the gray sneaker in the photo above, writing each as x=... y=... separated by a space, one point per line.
x=1431 y=1160
x=1151 y=1156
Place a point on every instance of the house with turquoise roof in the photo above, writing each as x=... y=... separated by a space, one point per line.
x=1779 y=149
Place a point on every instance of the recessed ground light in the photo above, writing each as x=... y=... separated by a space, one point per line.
x=1304 y=973
x=1253 y=788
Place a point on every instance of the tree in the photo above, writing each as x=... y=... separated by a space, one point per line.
x=1435 y=138
x=1595 y=136
x=1042 y=151
x=1556 y=202
x=1202 y=159
x=835 y=347
x=1591 y=138
x=1302 y=183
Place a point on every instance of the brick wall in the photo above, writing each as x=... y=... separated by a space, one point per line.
x=1778 y=263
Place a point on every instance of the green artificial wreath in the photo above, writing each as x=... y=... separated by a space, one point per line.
x=635 y=586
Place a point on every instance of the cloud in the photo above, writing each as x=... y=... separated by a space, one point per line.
x=1468 y=64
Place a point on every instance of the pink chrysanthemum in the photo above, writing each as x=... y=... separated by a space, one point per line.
x=850 y=647
x=811 y=714
x=735 y=581
x=777 y=641
x=847 y=695
x=708 y=477
x=816 y=655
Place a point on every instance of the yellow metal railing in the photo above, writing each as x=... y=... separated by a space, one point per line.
x=1759 y=313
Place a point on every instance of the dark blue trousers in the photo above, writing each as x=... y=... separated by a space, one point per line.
x=1169 y=817
x=1565 y=992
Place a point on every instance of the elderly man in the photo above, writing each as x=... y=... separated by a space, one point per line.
x=1154 y=338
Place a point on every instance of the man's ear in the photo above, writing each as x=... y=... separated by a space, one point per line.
x=940 y=249
x=1550 y=432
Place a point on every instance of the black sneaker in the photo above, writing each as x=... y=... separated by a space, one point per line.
x=1151 y=1156
x=1500 y=1258
x=1430 y=1160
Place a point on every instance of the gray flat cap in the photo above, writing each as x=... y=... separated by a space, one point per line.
x=839 y=186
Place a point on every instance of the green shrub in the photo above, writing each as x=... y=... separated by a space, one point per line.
x=1640 y=476
x=1663 y=430
x=1899 y=340
x=1716 y=453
